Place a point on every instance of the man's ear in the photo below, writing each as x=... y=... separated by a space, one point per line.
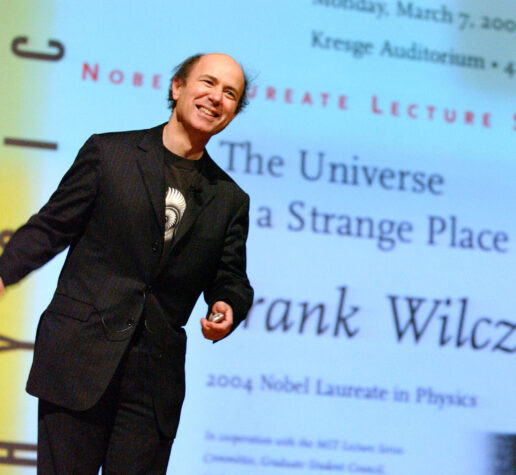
x=176 y=86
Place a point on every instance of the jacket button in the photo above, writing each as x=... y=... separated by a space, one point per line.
x=156 y=353
x=155 y=246
x=130 y=322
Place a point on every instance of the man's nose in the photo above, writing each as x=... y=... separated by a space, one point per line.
x=216 y=94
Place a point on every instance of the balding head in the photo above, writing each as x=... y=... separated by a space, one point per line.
x=182 y=73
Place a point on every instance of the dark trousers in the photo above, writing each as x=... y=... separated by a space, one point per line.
x=120 y=433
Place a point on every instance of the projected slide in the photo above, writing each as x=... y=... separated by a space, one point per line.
x=378 y=151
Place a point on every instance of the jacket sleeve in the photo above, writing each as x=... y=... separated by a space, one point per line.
x=59 y=223
x=231 y=283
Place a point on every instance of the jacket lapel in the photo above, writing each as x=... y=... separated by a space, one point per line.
x=198 y=199
x=151 y=166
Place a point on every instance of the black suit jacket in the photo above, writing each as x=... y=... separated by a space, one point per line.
x=110 y=209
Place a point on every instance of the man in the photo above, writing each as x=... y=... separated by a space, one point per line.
x=151 y=223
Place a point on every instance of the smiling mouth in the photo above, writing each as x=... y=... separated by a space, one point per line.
x=206 y=111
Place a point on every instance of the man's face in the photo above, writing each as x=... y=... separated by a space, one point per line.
x=206 y=103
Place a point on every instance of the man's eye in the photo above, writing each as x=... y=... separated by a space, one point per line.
x=231 y=94
x=208 y=81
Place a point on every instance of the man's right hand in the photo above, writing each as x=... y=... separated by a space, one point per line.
x=2 y=287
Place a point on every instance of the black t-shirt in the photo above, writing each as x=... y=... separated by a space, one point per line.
x=181 y=179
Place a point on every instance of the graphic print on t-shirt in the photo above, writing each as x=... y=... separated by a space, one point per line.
x=175 y=205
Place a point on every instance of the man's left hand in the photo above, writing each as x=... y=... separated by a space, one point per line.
x=217 y=331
